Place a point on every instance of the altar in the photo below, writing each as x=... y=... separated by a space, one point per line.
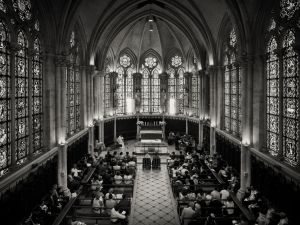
x=151 y=138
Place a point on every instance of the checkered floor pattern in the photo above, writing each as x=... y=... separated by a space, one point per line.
x=153 y=203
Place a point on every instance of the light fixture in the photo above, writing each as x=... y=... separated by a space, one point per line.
x=150 y=26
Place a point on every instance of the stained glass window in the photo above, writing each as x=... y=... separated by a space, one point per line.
x=176 y=82
x=145 y=106
x=73 y=84
x=5 y=101
x=23 y=9
x=155 y=91
x=107 y=94
x=150 y=86
x=288 y=8
x=2 y=6
x=129 y=83
x=272 y=98
x=120 y=100
x=232 y=88
x=180 y=92
x=290 y=99
x=282 y=72
x=21 y=95
x=195 y=94
x=37 y=97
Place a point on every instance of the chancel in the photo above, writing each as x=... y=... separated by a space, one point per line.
x=167 y=112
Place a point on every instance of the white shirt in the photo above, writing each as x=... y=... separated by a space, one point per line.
x=115 y=215
x=224 y=194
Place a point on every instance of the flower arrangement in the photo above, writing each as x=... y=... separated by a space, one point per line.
x=162 y=123
x=139 y=123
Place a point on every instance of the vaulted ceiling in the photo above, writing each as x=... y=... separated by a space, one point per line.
x=182 y=24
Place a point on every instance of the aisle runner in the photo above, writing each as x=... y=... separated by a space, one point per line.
x=153 y=202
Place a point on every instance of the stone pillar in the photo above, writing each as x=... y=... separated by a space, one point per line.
x=212 y=109
x=115 y=127
x=62 y=165
x=186 y=124
x=60 y=81
x=137 y=128
x=245 y=176
x=200 y=144
x=212 y=141
x=246 y=120
x=91 y=140
x=97 y=96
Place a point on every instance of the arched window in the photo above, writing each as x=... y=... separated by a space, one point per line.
x=176 y=82
x=195 y=98
x=232 y=87
x=73 y=83
x=21 y=89
x=150 y=85
x=5 y=99
x=282 y=82
x=21 y=95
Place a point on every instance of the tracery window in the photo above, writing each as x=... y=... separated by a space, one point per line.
x=150 y=85
x=5 y=101
x=232 y=87
x=21 y=95
x=21 y=89
x=176 y=82
x=73 y=84
x=195 y=93
x=282 y=81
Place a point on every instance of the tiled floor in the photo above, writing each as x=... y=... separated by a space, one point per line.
x=153 y=201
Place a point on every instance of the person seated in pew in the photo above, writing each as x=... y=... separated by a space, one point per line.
x=118 y=216
x=98 y=204
x=76 y=172
x=127 y=178
x=74 y=221
x=124 y=204
x=215 y=194
x=98 y=192
x=110 y=203
x=224 y=193
x=228 y=207
x=187 y=214
x=110 y=192
x=118 y=178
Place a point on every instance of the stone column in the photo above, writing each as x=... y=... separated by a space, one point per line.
x=246 y=65
x=91 y=140
x=97 y=96
x=115 y=127
x=186 y=124
x=212 y=109
x=137 y=128
x=200 y=144
x=60 y=99
x=245 y=176
x=62 y=166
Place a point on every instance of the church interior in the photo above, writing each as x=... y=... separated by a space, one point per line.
x=146 y=112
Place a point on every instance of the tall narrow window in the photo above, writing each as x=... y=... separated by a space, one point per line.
x=176 y=82
x=5 y=101
x=282 y=73
x=73 y=83
x=195 y=94
x=232 y=87
x=21 y=95
x=37 y=86
x=290 y=99
x=120 y=107
x=150 y=85
x=272 y=98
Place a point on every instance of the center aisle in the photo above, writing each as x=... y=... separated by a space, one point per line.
x=153 y=201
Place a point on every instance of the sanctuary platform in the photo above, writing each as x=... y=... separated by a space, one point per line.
x=151 y=146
